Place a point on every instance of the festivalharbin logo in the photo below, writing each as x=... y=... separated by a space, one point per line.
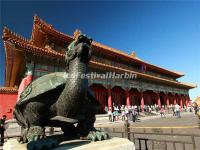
x=107 y=75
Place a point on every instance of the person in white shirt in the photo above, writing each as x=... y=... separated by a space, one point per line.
x=110 y=114
x=177 y=110
x=126 y=112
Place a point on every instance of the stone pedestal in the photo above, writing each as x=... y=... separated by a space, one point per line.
x=111 y=144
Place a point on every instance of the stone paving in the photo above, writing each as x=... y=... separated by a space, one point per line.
x=168 y=133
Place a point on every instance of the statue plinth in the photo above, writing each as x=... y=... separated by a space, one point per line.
x=110 y=144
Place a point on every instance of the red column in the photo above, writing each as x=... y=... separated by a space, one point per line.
x=127 y=98
x=186 y=101
x=167 y=100
x=109 y=98
x=181 y=102
x=142 y=101
x=174 y=99
x=158 y=102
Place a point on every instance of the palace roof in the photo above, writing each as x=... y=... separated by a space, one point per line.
x=40 y=25
x=24 y=46
x=17 y=46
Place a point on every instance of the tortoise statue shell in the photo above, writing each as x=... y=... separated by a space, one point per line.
x=43 y=84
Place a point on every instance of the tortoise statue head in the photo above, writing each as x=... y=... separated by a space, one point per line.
x=81 y=48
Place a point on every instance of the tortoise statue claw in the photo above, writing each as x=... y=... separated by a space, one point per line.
x=97 y=136
x=35 y=136
x=42 y=144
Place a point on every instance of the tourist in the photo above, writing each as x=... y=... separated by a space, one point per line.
x=177 y=111
x=150 y=110
x=113 y=105
x=122 y=112
x=134 y=115
x=196 y=109
x=110 y=114
x=106 y=109
x=116 y=113
x=138 y=110
x=129 y=111
x=157 y=108
x=168 y=108
x=162 y=112
x=147 y=109
x=173 y=110
x=189 y=108
x=126 y=112
x=2 y=128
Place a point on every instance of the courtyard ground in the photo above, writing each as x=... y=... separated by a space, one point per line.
x=187 y=120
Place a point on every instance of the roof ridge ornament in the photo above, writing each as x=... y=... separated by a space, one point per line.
x=35 y=18
x=6 y=33
x=133 y=54
x=77 y=33
x=41 y=22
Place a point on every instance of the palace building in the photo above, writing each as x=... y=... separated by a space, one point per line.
x=44 y=52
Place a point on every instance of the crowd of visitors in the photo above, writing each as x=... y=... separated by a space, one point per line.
x=124 y=112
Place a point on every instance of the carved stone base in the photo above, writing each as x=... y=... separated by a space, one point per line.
x=111 y=144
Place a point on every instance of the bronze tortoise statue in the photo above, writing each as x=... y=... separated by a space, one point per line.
x=60 y=99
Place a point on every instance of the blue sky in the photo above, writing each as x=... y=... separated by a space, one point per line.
x=166 y=33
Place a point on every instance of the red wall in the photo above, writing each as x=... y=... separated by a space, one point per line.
x=7 y=103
